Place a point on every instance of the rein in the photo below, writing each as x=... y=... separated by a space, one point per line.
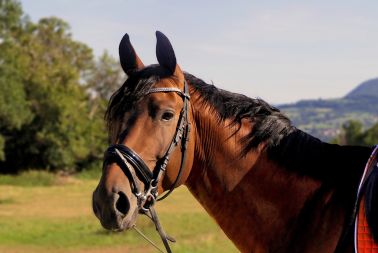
x=136 y=169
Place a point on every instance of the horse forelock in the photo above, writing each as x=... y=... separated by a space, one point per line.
x=125 y=98
x=136 y=86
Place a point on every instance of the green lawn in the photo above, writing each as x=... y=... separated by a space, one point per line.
x=44 y=213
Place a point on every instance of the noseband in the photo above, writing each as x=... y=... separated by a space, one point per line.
x=135 y=168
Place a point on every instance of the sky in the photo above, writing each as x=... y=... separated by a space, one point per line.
x=281 y=51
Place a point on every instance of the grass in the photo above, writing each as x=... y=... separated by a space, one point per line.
x=89 y=174
x=29 y=178
x=55 y=216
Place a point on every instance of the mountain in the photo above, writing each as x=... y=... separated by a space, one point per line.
x=365 y=89
x=323 y=118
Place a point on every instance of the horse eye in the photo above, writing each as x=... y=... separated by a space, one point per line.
x=167 y=116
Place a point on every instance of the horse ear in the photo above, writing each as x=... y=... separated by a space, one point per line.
x=164 y=52
x=130 y=61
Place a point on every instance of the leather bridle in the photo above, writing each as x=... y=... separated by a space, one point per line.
x=136 y=169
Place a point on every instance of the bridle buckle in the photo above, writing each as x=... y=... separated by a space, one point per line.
x=147 y=199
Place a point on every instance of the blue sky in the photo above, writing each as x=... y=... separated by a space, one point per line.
x=281 y=51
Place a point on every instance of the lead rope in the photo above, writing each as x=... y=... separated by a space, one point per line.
x=147 y=239
x=164 y=237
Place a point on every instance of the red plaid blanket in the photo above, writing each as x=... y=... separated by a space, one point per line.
x=364 y=242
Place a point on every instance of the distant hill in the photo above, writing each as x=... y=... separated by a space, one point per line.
x=365 y=89
x=323 y=118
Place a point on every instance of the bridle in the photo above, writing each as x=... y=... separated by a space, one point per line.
x=136 y=169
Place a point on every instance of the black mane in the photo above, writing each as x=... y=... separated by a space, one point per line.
x=270 y=125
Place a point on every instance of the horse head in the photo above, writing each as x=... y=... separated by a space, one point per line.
x=149 y=124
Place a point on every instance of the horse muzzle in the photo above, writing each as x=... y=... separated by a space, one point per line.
x=115 y=210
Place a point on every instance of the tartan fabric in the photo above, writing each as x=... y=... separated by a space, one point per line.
x=365 y=242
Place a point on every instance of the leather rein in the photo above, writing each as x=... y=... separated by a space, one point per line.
x=136 y=169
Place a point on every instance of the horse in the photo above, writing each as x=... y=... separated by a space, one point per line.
x=269 y=186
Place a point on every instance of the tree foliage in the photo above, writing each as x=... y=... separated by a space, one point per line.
x=103 y=82
x=370 y=137
x=353 y=134
x=49 y=87
x=14 y=108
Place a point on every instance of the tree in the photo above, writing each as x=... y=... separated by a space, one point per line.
x=370 y=137
x=53 y=94
x=14 y=109
x=103 y=82
x=57 y=137
x=353 y=134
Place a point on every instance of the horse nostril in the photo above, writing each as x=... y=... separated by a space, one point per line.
x=122 y=204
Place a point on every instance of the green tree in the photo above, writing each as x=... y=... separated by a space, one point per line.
x=352 y=133
x=57 y=137
x=53 y=94
x=370 y=137
x=103 y=81
x=14 y=108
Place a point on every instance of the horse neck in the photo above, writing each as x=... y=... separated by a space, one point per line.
x=270 y=199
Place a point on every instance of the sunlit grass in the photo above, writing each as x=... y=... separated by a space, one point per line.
x=58 y=218
x=29 y=178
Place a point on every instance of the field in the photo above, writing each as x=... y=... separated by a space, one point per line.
x=41 y=212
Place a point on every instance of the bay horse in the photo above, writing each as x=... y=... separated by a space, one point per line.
x=270 y=186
